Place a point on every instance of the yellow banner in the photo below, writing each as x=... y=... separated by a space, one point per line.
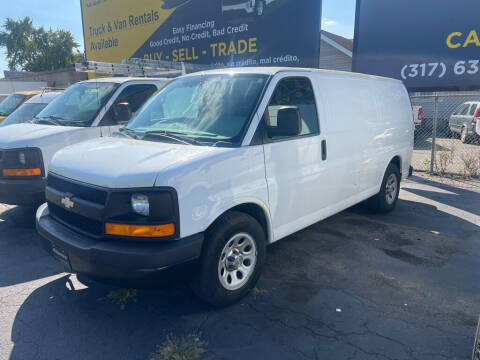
x=115 y=29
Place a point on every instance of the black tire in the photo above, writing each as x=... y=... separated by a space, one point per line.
x=207 y=285
x=379 y=202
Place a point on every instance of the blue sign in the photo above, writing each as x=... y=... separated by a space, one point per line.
x=238 y=33
x=429 y=44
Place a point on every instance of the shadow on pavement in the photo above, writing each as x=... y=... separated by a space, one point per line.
x=459 y=198
x=58 y=322
x=22 y=259
x=353 y=286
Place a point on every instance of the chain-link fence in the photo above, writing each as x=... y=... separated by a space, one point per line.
x=447 y=133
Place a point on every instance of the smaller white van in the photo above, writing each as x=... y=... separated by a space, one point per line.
x=30 y=109
x=86 y=110
x=220 y=164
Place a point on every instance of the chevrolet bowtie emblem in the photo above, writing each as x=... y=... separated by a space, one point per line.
x=67 y=202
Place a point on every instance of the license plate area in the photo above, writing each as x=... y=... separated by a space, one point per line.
x=61 y=256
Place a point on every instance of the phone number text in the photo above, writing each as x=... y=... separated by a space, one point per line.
x=440 y=69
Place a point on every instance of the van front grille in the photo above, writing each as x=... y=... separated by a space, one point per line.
x=79 y=223
x=78 y=190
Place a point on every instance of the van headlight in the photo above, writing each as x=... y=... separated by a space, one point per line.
x=22 y=159
x=26 y=162
x=140 y=204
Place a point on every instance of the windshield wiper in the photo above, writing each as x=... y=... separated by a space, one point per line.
x=63 y=121
x=129 y=132
x=48 y=121
x=58 y=120
x=172 y=136
x=55 y=117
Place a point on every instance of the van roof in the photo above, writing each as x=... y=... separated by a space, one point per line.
x=44 y=98
x=121 y=80
x=28 y=93
x=276 y=70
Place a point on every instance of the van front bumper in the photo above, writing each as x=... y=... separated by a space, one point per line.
x=22 y=191
x=115 y=260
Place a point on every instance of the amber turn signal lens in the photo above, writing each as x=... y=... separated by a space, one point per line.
x=142 y=231
x=21 y=172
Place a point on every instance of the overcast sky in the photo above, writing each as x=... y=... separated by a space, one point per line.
x=338 y=17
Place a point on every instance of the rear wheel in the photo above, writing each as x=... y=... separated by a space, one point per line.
x=232 y=259
x=386 y=200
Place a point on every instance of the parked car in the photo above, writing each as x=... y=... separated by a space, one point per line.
x=463 y=121
x=13 y=101
x=445 y=103
x=86 y=110
x=31 y=108
x=417 y=115
x=248 y=6
x=220 y=164
x=477 y=128
x=3 y=97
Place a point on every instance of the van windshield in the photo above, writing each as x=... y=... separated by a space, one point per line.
x=24 y=113
x=11 y=103
x=78 y=105
x=214 y=109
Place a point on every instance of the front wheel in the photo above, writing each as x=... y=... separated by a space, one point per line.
x=387 y=198
x=232 y=259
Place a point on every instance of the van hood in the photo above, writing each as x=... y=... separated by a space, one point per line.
x=125 y=163
x=30 y=135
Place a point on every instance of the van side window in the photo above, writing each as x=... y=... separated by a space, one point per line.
x=128 y=103
x=472 y=110
x=465 y=109
x=458 y=110
x=298 y=92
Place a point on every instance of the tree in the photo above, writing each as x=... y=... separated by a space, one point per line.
x=36 y=49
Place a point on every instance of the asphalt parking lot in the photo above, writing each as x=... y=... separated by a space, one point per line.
x=356 y=286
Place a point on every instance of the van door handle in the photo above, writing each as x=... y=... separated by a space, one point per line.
x=324 y=150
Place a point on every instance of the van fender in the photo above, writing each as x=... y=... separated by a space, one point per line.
x=214 y=216
x=392 y=157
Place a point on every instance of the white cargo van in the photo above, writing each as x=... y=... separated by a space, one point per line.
x=86 y=110
x=248 y=6
x=220 y=164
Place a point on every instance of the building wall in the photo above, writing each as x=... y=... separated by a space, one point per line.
x=333 y=59
x=56 y=78
x=10 y=86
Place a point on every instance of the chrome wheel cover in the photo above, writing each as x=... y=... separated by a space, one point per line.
x=237 y=261
x=391 y=189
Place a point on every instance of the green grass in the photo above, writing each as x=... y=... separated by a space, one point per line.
x=123 y=297
x=189 y=347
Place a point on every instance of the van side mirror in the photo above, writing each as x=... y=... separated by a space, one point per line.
x=123 y=112
x=289 y=123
